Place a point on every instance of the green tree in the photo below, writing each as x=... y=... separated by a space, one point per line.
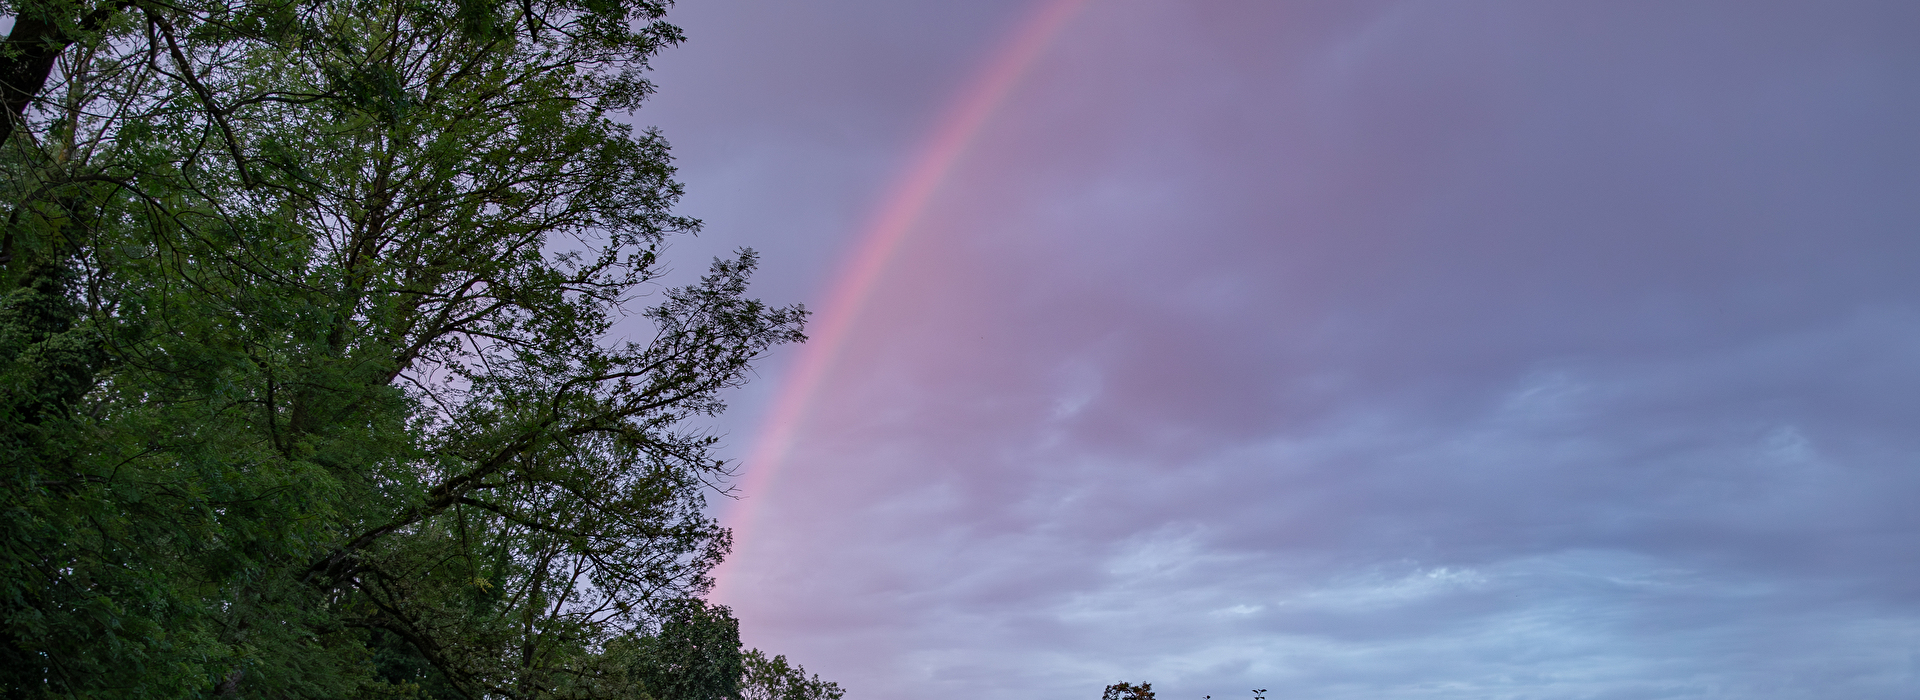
x=1128 y=691
x=775 y=679
x=693 y=654
x=308 y=383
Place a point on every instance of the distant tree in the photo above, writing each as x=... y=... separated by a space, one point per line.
x=776 y=679
x=1128 y=691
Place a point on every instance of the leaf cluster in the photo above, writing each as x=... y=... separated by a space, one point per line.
x=776 y=679
x=307 y=382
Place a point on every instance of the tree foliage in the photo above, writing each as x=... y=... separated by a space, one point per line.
x=307 y=386
x=1128 y=691
x=775 y=679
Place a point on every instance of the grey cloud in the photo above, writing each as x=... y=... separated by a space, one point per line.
x=1355 y=350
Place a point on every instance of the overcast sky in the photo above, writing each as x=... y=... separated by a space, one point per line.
x=1352 y=350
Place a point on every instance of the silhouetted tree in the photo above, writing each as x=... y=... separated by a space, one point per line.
x=1128 y=691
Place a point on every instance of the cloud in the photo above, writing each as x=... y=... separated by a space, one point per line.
x=1360 y=350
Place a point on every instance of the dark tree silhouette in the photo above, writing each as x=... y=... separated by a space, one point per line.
x=1128 y=691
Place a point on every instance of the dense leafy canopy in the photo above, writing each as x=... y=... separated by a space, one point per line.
x=306 y=380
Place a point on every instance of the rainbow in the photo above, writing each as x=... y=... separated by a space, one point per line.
x=961 y=123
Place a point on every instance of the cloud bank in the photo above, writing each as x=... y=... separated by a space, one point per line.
x=1349 y=350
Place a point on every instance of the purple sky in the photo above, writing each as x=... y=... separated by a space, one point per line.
x=1379 y=350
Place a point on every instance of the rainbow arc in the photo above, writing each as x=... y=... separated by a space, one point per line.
x=958 y=128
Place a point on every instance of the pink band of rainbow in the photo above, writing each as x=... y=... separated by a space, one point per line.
x=972 y=109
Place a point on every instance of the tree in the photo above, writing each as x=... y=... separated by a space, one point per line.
x=305 y=385
x=1128 y=691
x=775 y=679
x=693 y=655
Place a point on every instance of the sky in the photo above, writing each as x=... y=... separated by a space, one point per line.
x=1346 y=349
